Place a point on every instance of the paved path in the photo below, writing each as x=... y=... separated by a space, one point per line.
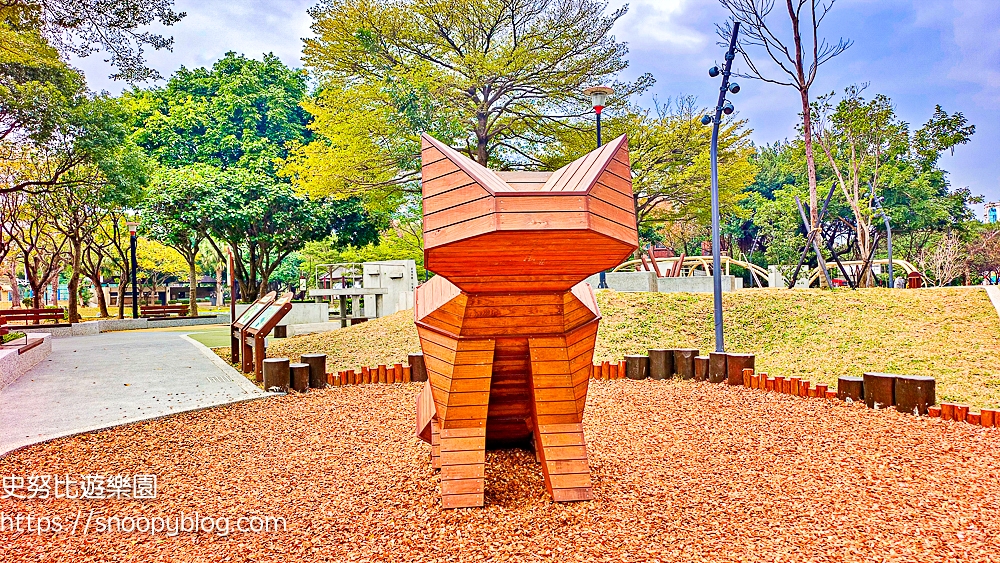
x=94 y=382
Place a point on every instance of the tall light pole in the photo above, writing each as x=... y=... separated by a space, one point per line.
x=598 y=97
x=135 y=291
x=726 y=107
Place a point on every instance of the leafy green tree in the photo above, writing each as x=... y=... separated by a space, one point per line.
x=870 y=150
x=497 y=78
x=217 y=134
x=669 y=151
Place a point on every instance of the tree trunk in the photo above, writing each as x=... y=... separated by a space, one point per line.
x=193 y=289
x=102 y=302
x=15 y=290
x=55 y=291
x=74 y=282
x=220 y=299
x=811 y=169
x=481 y=156
x=122 y=282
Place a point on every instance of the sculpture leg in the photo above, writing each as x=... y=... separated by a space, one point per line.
x=559 y=440
x=463 y=424
x=435 y=444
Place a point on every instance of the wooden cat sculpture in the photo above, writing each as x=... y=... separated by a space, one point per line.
x=508 y=325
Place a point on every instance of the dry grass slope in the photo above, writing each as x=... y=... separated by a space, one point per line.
x=951 y=334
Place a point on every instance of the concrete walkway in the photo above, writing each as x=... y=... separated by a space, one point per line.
x=95 y=382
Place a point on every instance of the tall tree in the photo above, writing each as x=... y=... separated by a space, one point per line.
x=218 y=134
x=795 y=49
x=497 y=78
x=871 y=151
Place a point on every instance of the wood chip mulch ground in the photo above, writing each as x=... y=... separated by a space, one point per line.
x=682 y=471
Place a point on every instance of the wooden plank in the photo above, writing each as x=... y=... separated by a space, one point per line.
x=465 y=229
x=476 y=301
x=463 y=457
x=569 y=480
x=458 y=195
x=472 y=471
x=467 y=412
x=557 y=418
x=548 y=394
x=560 y=428
x=462 y=432
x=563 y=439
x=625 y=218
x=462 y=501
x=556 y=407
x=572 y=495
x=549 y=368
x=460 y=399
x=549 y=220
x=462 y=486
x=544 y=203
x=565 y=466
x=513 y=310
x=543 y=381
x=468 y=444
x=563 y=452
x=625 y=234
x=459 y=213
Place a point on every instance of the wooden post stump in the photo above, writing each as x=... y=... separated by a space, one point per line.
x=382 y=374
x=779 y=384
x=605 y=370
x=418 y=372
x=961 y=412
x=914 y=393
x=947 y=411
x=366 y=376
x=397 y=373
x=717 y=367
x=989 y=418
x=621 y=369
x=661 y=363
x=276 y=374
x=407 y=374
x=934 y=412
x=300 y=376
x=880 y=390
x=768 y=383
x=793 y=386
x=637 y=367
x=735 y=364
x=614 y=371
x=701 y=368
x=754 y=381
x=317 y=369
x=821 y=389
x=974 y=418
x=684 y=363
x=804 y=390
x=852 y=388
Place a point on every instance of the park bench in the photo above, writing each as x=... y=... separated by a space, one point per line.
x=29 y=317
x=154 y=311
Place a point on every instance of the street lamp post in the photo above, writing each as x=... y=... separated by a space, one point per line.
x=135 y=291
x=598 y=97
x=724 y=106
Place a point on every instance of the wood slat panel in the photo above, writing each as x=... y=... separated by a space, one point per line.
x=625 y=234
x=556 y=407
x=459 y=231
x=472 y=471
x=462 y=486
x=541 y=204
x=612 y=213
x=561 y=453
x=456 y=215
x=572 y=495
x=463 y=457
x=557 y=418
x=565 y=466
x=462 y=501
x=560 y=428
x=569 y=480
x=468 y=444
x=542 y=221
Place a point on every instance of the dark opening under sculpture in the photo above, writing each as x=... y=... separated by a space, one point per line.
x=508 y=325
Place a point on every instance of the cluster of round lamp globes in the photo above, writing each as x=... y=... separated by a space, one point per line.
x=727 y=108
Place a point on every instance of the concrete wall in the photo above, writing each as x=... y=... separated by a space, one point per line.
x=301 y=313
x=112 y=325
x=647 y=281
x=14 y=365
x=397 y=276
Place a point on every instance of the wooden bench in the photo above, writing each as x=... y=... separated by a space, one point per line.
x=154 y=311
x=29 y=317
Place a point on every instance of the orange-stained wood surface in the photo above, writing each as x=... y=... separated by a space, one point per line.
x=507 y=326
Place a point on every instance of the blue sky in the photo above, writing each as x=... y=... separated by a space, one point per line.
x=918 y=52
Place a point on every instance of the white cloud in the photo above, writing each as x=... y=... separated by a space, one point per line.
x=212 y=27
x=976 y=27
x=666 y=23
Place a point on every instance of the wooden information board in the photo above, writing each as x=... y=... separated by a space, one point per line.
x=237 y=334
x=257 y=331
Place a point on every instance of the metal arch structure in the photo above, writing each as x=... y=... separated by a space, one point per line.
x=693 y=263
x=907 y=267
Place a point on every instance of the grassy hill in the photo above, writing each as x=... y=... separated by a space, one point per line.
x=952 y=334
